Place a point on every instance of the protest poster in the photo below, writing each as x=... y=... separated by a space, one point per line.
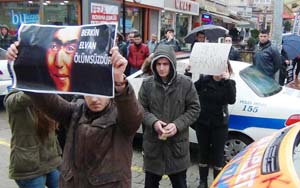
x=65 y=59
x=209 y=58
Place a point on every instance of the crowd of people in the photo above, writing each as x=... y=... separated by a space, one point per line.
x=100 y=131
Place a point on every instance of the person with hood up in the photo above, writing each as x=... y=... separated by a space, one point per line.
x=5 y=38
x=171 y=105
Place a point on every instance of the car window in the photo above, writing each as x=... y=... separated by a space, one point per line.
x=261 y=84
x=2 y=54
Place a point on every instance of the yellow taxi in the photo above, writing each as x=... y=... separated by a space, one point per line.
x=271 y=162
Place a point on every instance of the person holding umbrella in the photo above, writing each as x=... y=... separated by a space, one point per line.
x=200 y=37
x=212 y=33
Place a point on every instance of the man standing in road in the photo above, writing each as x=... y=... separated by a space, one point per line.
x=267 y=57
x=170 y=40
x=152 y=43
x=138 y=52
x=171 y=105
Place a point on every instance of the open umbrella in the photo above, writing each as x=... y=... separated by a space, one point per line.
x=212 y=33
x=291 y=45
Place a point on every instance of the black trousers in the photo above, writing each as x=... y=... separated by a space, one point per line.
x=178 y=180
x=211 y=141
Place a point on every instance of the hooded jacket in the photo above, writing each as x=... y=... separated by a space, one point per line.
x=175 y=101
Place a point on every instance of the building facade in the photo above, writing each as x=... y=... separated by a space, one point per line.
x=15 y=12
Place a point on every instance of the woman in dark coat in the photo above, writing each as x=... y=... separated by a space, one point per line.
x=215 y=93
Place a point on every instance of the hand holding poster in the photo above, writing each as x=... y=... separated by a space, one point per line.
x=209 y=58
x=65 y=59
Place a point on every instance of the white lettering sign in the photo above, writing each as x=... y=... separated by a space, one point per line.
x=209 y=58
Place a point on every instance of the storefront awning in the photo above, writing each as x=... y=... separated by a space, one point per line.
x=227 y=19
x=287 y=16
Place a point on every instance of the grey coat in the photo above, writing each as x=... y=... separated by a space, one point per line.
x=267 y=59
x=173 y=102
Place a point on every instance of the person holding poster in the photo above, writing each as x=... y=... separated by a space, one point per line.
x=63 y=59
x=35 y=152
x=100 y=130
x=171 y=105
x=215 y=93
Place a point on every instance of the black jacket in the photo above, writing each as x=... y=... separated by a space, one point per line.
x=234 y=54
x=214 y=98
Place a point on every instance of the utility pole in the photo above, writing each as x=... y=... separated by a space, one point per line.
x=277 y=23
x=124 y=19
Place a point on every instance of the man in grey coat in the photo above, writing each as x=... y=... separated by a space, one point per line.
x=171 y=105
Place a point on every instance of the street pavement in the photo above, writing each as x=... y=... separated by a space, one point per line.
x=137 y=162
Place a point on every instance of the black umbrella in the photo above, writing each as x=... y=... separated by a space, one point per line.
x=212 y=33
x=291 y=45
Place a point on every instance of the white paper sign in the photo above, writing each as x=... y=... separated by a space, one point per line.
x=209 y=58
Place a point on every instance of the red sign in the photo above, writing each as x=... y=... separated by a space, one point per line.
x=183 y=5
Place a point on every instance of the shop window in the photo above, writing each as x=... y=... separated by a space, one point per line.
x=13 y=14
x=182 y=23
x=166 y=22
x=134 y=20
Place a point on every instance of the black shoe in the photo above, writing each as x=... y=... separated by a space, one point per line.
x=203 y=184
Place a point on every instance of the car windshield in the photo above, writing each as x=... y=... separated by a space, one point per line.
x=261 y=84
x=296 y=154
x=2 y=54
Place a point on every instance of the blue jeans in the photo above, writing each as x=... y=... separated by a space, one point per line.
x=50 y=179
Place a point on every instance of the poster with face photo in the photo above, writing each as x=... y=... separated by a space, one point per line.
x=65 y=59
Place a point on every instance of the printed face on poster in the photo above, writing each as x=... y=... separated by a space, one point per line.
x=209 y=58
x=65 y=59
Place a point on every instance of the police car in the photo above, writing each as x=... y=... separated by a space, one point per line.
x=262 y=105
x=5 y=79
x=272 y=161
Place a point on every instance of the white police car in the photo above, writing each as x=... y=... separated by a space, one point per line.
x=262 y=106
x=5 y=79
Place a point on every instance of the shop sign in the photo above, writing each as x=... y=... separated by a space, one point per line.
x=183 y=6
x=104 y=13
x=20 y=18
x=154 y=3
